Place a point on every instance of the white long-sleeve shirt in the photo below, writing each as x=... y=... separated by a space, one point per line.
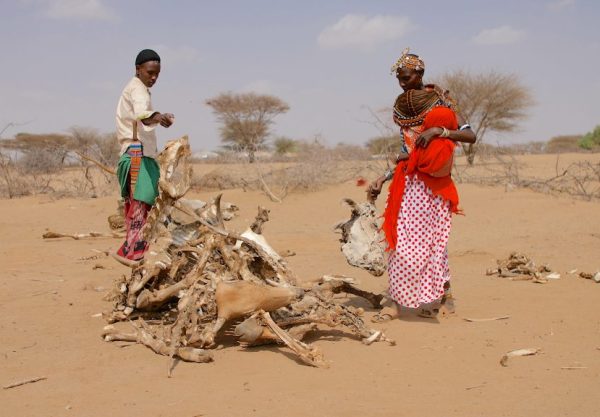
x=135 y=105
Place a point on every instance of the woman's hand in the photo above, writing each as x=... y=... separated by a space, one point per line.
x=426 y=136
x=375 y=189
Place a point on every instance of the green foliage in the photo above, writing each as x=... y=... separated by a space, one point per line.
x=590 y=139
x=283 y=145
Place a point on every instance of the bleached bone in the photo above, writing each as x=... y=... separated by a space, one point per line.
x=142 y=336
x=254 y=233
x=308 y=354
x=260 y=241
x=229 y=210
x=518 y=352
x=148 y=300
x=361 y=240
x=283 y=273
x=56 y=235
x=345 y=284
x=251 y=332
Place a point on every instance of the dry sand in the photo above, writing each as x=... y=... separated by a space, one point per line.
x=438 y=368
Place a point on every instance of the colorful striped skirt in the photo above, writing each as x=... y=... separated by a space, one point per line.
x=136 y=211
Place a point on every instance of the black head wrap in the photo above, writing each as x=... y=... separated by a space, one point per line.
x=145 y=56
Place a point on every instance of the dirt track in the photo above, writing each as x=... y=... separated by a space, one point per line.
x=449 y=368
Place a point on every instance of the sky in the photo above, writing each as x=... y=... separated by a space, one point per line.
x=65 y=62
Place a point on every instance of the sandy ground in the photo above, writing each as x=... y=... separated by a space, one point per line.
x=48 y=300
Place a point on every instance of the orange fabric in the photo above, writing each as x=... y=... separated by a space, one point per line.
x=429 y=165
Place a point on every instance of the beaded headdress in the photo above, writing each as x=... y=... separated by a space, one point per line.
x=409 y=61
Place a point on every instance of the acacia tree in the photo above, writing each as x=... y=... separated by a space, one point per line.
x=246 y=119
x=490 y=102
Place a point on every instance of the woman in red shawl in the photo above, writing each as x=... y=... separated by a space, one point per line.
x=422 y=196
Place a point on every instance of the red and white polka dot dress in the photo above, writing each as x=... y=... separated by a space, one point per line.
x=418 y=268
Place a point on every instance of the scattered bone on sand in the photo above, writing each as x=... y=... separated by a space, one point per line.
x=484 y=320
x=520 y=267
x=593 y=276
x=100 y=254
x=55 y=235
x=518 y=352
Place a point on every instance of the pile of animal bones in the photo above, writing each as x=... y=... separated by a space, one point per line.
x=520 y=267
x=199 y=279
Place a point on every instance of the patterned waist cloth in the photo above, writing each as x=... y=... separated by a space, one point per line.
x=135 y=151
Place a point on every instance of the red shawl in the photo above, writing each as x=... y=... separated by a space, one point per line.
x=431 y=165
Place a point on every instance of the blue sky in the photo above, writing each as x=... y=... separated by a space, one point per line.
x=66 y=61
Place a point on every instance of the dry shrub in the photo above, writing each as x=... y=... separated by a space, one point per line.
x=347 y=152
x=313 y=167
x=384 y=145
x=42 y=164
x=486 y=152
x=224 y=156
x=528 y=148
x=224 y=178
x=104 y=148
x=579 y=179
x=45 y=161
x=563 y=144
x=19 y=179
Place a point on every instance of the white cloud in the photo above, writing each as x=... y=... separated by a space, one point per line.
x=75 y=9
x=363 y=32
x=502 y=35
x=560 y=4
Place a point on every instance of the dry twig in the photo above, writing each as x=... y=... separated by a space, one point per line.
x=26 y=381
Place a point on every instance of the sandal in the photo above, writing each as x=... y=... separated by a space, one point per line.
x=447 y=303
x=428 y=313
